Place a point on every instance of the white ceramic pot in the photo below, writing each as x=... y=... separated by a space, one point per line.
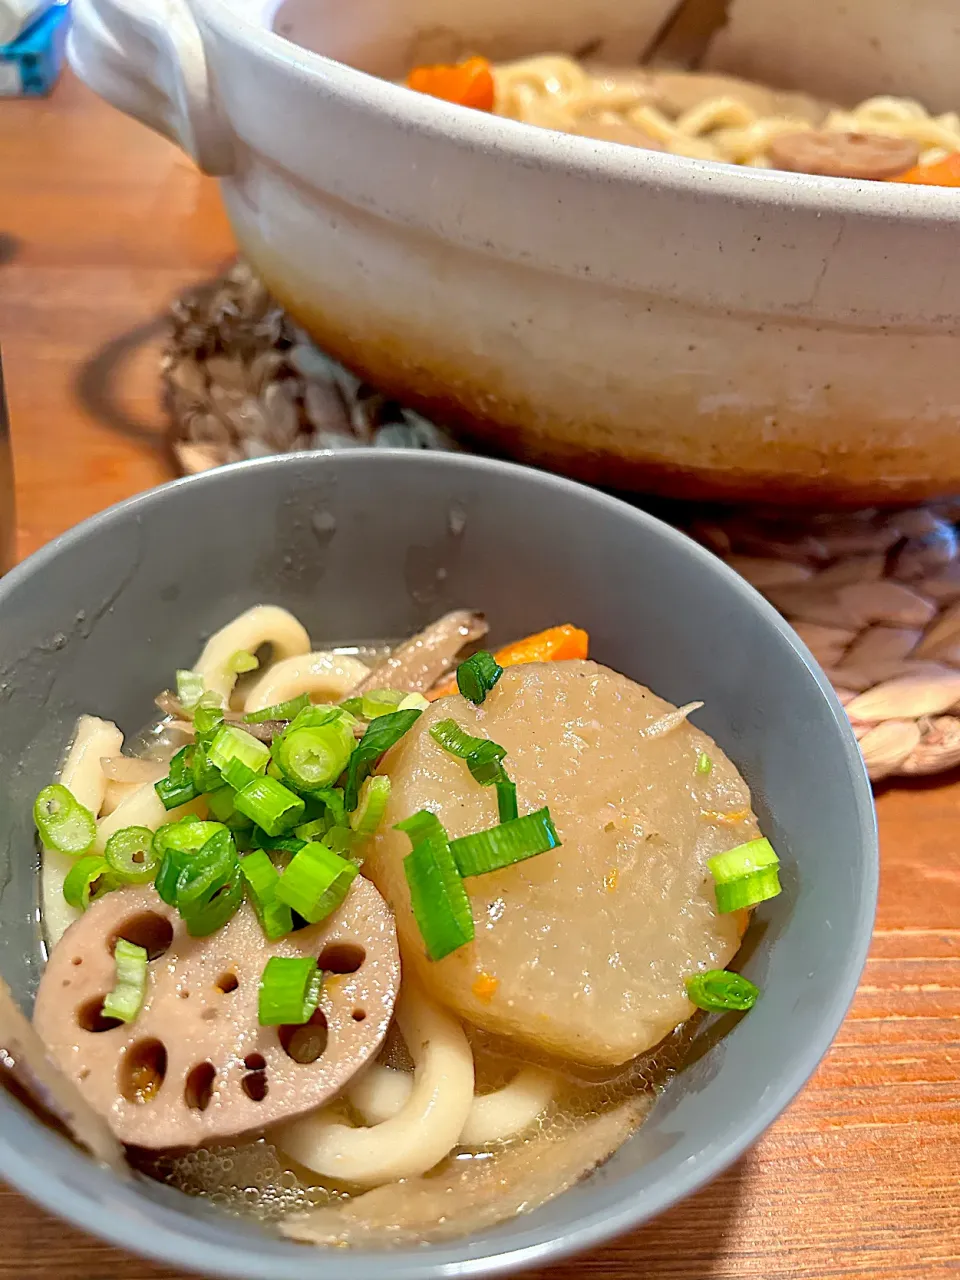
x=632 y=318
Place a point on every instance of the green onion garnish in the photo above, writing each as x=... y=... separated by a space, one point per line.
x=242 y=661
x=316 y=882
x=438 y=898
x=279 y=711
x=341 y=840
x=207 y=714
x=271 y=805
x=718 y=990
x=221 y=804
x=63 y=822
x=189 y=689
x=314 y=830
x=262 y=879
x=186 y=834
x=278 y=844
x=704 y=763
x=178 y=787
x=231 y=743
x=477 y=676
x=745 y=875
x=126 y=999
x=289 y=991
x=88 y=878
x=482 y=756
x=372 y=805
x=132 y=856
x=353 y=706
x=379 y=738
x=380 y=702
x=313 y=757
x=210 y=888
x=502 y=846
x=506 y=798
x=414 y=702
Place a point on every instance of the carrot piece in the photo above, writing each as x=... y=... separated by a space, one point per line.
x=469 y=83
x=945 y=173
x=557 y=644
x=485 y=986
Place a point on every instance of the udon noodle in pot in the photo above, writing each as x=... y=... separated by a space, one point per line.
x=709 y=117
x=354 y=940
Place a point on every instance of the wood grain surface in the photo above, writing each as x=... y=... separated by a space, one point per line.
x=101 y=223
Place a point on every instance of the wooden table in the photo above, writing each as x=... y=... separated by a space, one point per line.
x=101 y=223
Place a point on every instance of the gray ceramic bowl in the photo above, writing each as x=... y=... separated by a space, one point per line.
x=372 y=544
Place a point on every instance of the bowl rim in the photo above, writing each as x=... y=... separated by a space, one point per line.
x=72 y=1194
x=603 y=162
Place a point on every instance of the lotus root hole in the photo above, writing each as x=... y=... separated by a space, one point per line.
x=148 y=930
x=341 y=957
x=90 y=1016
x=227 y=982
x=307 y=1043
x=359 y=1015
x=143 y=1071
x=255 y=1085
x=198 y=1089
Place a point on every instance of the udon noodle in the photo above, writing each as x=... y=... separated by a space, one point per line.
x=555 y=92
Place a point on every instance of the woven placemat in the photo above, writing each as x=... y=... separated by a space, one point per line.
x=875 y=594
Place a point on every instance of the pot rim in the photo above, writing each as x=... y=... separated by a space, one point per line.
x=593 y=159
x=66 y=1182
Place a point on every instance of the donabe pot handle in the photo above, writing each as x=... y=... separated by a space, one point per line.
x=147 y=58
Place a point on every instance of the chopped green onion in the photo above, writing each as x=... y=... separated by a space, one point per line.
x=330 y=801
x=341 y=840
x=206 y=775
x=271 y=805
x=221 y=804
x=279 y=711
x=477 y=676
x=316 y=882
x=233 y=743
x=190 y=689
x=63 y=822
x=379 y=738
x=745 y=876
x=504 y=845
x=88 y=878
x=484 y=763
x=242 y=661
x=422 y=825
x=314 y=830
x=438 y=898
x=353 y=706
x=481 y=754
x=380 y=702
x=178 y=787
x=414 y=702
x=210 y=887
x=132 y=856
x=207 y=714
x=126 y=999
x=278 y=844
x=506 y=798
x=372 y=805
x=186 y=835
x=172 y=866
x=718 y=990
x=289 y=991
x=704 y=763
x=262 y=879
x=314 y=757
x=315 y=717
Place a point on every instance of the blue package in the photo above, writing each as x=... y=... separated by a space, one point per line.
x=30 y=66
